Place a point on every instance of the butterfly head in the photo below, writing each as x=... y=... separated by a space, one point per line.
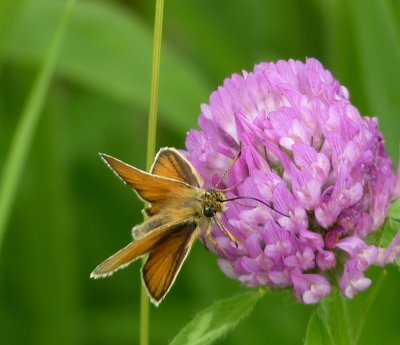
x=212 y=202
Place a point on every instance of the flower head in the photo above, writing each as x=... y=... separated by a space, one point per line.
x=308 y=153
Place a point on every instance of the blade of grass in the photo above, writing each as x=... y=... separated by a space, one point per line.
x=28 y=121
x=151 y=145
x=155 y=82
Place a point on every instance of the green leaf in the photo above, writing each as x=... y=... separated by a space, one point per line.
x=214 y=321
x=395 y=210
x=389 y=231
x=109 y=49
x=317 y=331
x=384 y=236
x=332 y=311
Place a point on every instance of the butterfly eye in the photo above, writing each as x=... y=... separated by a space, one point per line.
x=208 y=212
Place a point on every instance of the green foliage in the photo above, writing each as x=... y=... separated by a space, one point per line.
x=318 y=331
x=332 y=324
x=27 y=126
x=333 y=314
x=384 y=236
x=363 y=312
x=70 y=212
x=215 y=321
x=380 y=84
x=109 y=50
x=395 y=211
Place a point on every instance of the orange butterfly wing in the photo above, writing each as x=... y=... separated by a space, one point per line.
x=154 y=189
x=172 y=164
x=133 y=251
x=165 y=260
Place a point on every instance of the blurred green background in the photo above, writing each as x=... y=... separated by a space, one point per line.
x=71 y=212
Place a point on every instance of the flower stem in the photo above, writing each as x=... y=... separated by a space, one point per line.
x=333 y=310
x=21 y=142
x=369 y=300
x=151 y=144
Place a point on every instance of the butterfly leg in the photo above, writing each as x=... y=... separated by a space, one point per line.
x=223 y=228
x=212 y=240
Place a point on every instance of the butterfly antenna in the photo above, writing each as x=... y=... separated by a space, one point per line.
x=231 y=187
x=258 y=200
x=233 y=162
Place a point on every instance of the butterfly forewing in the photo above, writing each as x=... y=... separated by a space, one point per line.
x=165 y=260
x=170 y=163
x=154 y=189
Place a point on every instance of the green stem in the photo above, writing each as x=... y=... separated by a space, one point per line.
x=333 y=311
x=22 y=139
x=155 y=81
x=151 y=144
x=363 y=313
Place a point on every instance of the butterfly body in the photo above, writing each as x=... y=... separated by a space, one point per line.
x=178 y=207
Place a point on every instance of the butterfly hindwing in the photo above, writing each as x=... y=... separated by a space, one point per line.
x=133 y=251
x=165 y=260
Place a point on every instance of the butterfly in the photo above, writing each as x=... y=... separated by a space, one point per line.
x=179 y=207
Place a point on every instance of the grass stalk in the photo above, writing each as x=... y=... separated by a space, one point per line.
x=151 y=145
